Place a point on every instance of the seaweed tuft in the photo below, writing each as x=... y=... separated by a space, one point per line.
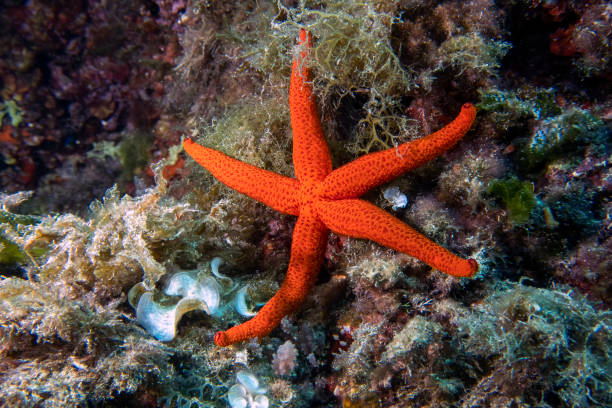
x=518 y=198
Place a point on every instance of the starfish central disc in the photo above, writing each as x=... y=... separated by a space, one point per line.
x=309 y=192
x=327 y=200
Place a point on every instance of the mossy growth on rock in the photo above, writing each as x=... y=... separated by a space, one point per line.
x=12 y=227
x=133 y=152
x=508 y=107
x=474 y=52
x=351 y=48
x=563 y=136
x=547 y=132
x=10 y=253
x=577 y=212
x=556 y=332
x=517 y=197
x=351 y=56
x=255 y=132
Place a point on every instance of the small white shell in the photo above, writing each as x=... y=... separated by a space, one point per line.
x=247 y=393
x=237 y=396
x=226 y=282
x=185 y=285
x=214 y=267
x=160 y=320
x=181 y=284
x=135 y=293
x=250 y=382
x=395 y=197
x=240 y=303
x=260 y=401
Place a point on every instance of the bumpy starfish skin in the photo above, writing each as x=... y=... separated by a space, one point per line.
x=327 y=200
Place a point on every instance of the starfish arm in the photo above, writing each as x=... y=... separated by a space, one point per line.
x=360 y=219
x=307 y=249
x=274 y=190
x=355 y=178
x=311 y=158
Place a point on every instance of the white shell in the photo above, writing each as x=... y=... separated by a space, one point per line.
x=214 y=267
x=395 y=197
x=247 y=393
x=250 y=382
x=260 y=401
x=160 y=320
x=226 y=281
x=181 y=284
x=185 y=285
x=157 y=320
x=135 y=293
x=237 y=396
x=240 y=303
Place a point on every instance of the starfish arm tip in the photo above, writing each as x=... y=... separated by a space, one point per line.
x=472 y=268
x=471 y=110
x=304 y=36
x=221 y=339
x=474 y=265
x=465 y=268
x=187 y=143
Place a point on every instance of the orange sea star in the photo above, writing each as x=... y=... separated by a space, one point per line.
x=327 y=200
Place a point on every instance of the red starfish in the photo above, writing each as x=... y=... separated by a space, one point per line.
x=327 y=200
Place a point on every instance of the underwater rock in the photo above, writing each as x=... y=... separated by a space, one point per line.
x=159 y=314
